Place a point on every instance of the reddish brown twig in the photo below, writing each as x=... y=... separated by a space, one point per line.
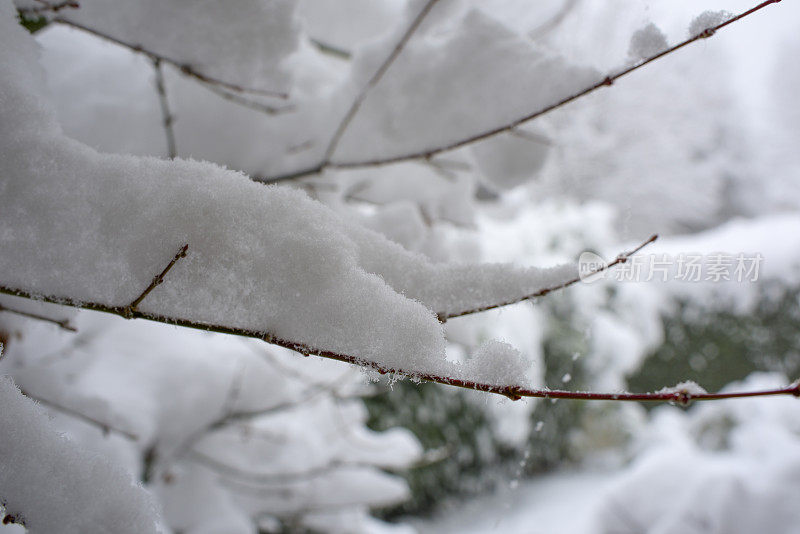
x=129 y=311
x=608 y=80
x=621 y=258
x=183 y=67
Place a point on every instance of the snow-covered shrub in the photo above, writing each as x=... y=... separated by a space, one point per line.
x=381 y=142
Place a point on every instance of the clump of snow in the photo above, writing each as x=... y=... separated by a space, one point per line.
x=508 y=160
x=706 y=20
x=54 y=486
x=689 y=386
x=647 y=42
x=499 y=364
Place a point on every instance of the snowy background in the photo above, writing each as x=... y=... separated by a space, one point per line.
x=128 y=129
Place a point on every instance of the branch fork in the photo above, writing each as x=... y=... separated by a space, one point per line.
x=130 y=310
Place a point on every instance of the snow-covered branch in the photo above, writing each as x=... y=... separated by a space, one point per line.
x=330 y=162
x=680 y=396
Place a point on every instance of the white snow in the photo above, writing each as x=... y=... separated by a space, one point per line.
x=244 y=46
x=97 y=227
x=707 y=19
x=498 y=363
x=647 y=41
x=508 y=160
x=687 y=386
x=301 y=427
x=44 y=478
x=727 y=467
x=470 y=64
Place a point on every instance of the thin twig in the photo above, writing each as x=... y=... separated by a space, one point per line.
x=331 y=50
x=621 y=258
x=102 y=425
x=63 y=323
x=183 y=67
x=130 y=310
x=326 y=163
x=229 y=417
x=234 y=392
x=248 y=475
x=166 y=114
x=376 y=77
x=355 y=105
x=246 y=102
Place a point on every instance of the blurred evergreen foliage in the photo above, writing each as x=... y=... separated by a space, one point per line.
x=714 y=348
x=32 y=23
x=455 y=434
x=464 y=457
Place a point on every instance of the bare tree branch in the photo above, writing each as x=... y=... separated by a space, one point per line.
x=63 y=323
x=167 y=116
x=608 y=80
x=373 y=81
x=357 y=102
x=183 y=67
